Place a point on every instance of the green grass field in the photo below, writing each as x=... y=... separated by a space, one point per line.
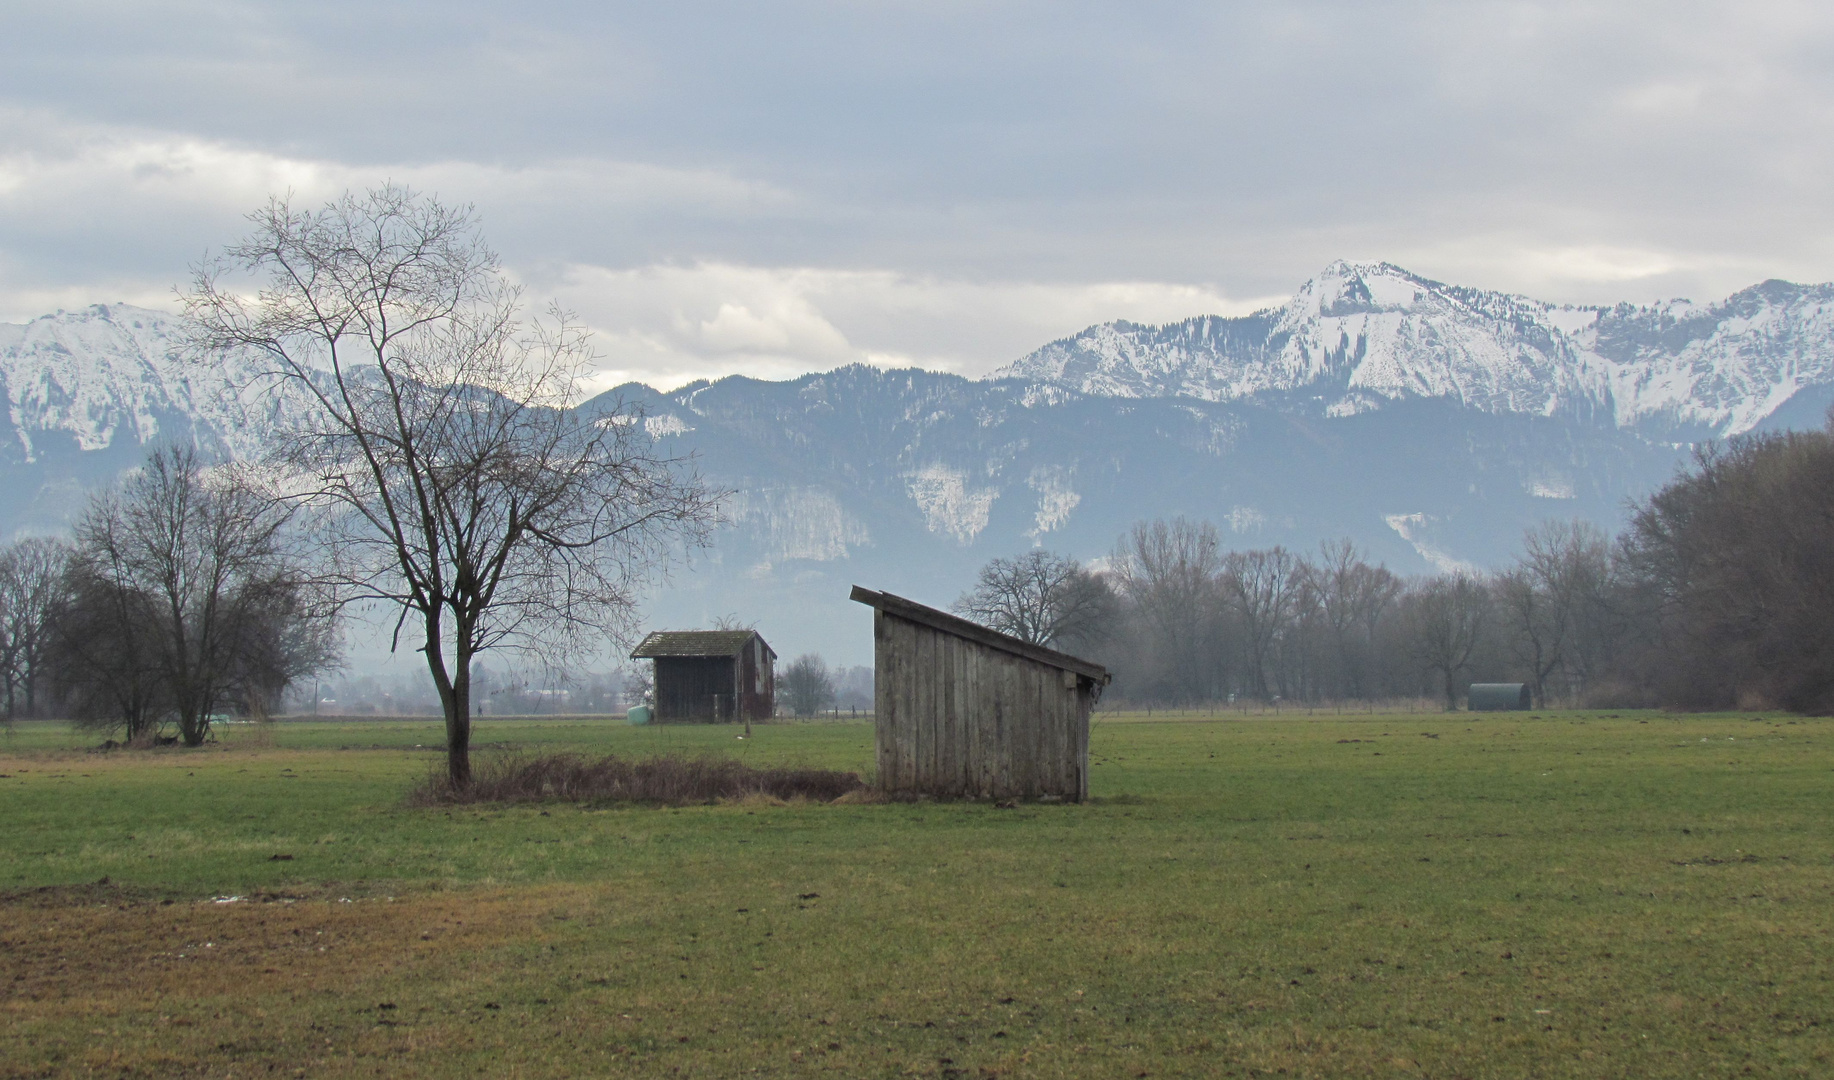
x=1579 y=895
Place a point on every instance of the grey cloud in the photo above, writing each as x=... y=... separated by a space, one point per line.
x=1579 y=151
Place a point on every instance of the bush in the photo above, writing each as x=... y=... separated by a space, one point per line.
x=671 y=780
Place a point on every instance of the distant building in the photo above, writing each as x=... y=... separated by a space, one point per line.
x=964 y=711
x=711 y=676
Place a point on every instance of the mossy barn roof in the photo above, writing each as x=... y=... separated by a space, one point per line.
x=667 y=643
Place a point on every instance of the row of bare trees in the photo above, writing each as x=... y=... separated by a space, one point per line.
x=1194 y=622
x=1716 y=595
x=1182 y=620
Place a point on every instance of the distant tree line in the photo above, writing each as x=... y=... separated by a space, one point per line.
x=500 y=690
x=1717 y=595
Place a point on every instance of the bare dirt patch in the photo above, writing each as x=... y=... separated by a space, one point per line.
x=101 y=979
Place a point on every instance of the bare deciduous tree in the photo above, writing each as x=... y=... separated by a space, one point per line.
x=1040 y=597
x=1352 y=597
x=1445 y=620
x=209 y=607
x=808 y=688
x=450 y=478
x=1736 y=575
x=1167 y=572
x=1262 y=588
x=102 y=664
x=639 y=685
x=1563 y=569
x=34 y=576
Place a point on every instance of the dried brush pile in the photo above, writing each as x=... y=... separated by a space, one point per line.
x=670 y=780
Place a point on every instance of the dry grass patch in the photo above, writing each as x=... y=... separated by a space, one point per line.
x=88 y=951
x=667 y=779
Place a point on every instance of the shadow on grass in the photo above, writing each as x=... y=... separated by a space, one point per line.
x=669 y=779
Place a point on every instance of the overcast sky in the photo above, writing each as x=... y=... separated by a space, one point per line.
x=777 y=188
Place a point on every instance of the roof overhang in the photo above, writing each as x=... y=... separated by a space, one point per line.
x=912 y=611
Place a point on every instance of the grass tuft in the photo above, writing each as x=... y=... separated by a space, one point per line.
x=667 y=779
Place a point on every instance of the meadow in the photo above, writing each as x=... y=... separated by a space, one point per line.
x=1443 y=895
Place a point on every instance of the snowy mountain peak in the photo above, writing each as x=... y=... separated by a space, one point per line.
x=1347 y=288
x=1361 y=334
x=1355 y=335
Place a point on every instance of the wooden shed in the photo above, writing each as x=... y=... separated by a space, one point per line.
x=711 y=676
x=968 y=712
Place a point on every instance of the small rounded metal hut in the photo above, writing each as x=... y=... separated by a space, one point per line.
x=1498 y=697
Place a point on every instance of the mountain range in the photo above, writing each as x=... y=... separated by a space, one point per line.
x=1359 y=336
x=1430 y=423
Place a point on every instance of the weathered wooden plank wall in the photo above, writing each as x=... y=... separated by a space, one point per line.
x=958 y=718
x=687 y=686
x=756 y=683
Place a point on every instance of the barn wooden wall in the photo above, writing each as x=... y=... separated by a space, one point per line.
x=757 y=682
x=958 y=718
x=686 y=685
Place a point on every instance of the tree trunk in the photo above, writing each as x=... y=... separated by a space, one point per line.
x=1451 y=691
x=193 y=713
x=458 y=727
x=454 y=688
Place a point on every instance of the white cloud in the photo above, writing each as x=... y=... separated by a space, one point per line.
x=670 y=324
x=48 y=158
x=1590 y=273
x=93 y=213
x=154 y=203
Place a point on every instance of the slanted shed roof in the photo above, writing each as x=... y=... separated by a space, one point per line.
x=696 y=643
x=973 y=631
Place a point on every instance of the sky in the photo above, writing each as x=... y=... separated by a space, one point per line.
x=771 y=189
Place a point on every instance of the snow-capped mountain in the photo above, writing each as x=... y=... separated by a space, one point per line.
x=83 y=392
x=111 y=372
x=1361 y=335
